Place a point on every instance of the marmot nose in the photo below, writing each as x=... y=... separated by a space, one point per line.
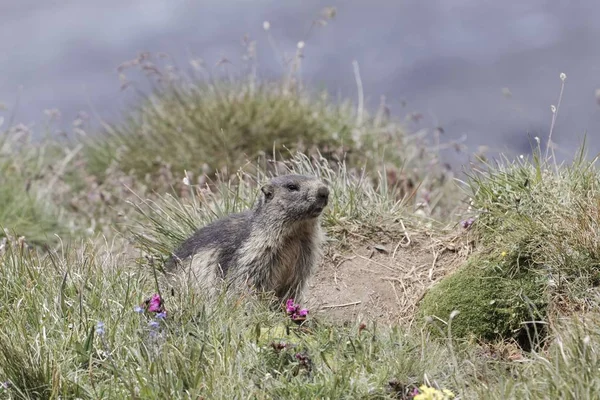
x=323 y=193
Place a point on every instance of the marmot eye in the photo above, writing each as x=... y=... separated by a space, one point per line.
x=292 y=187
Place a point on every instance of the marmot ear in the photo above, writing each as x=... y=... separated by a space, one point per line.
x=267 y=191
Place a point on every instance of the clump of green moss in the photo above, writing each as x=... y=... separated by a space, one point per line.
x=491 y=304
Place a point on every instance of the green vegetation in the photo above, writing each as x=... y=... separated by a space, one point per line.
x=536 y=224
x=544 y=217
x=99 y=211
x=51 y=343
x=23 y=186
x=356 y=206
x=219 y=127
x=213 y=129
x=491 y=304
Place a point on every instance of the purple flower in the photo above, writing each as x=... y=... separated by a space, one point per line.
x=153 y=324
x=155 y=304
x=161 y=315
x=100 y=328
x=466 y=224
x=138 y=309
x=290 y=306
x=303 y=360
x=303 y=312
x=294 y=311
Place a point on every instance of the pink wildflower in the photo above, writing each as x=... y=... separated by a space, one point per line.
x=155 y=304
x=296 y=313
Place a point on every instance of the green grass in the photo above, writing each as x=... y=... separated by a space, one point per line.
x=110 y=206
x=541 y=216
x=223 y=126
x=213 y=128
x=50 y=346
x=25 y=184
x=357 y=207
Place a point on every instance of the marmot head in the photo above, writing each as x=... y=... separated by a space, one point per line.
x=295 y=197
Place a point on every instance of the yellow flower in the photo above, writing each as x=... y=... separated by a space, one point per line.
x=503 y=254
x=429 y=393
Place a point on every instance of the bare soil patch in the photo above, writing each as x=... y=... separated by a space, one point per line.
x=381 y=280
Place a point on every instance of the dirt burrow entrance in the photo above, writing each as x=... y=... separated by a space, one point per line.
x=382 y=281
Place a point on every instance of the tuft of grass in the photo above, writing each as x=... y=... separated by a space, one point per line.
x=210 y=128
x=565 y=370
x=544 y=217
x=357 y=209
x=222 y=125
x=26 y=183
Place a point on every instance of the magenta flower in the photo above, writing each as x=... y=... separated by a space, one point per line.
x=155 y=304
x=290 y=307
x=295 y=312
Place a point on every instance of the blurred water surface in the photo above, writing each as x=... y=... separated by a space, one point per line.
x=485 y=69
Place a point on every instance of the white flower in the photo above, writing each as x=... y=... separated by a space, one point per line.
x=521 y=156
x=300 y=45
x=553 y=108
x=537 y=139
x=586 y=340
x=563 y=76
x=266 y=25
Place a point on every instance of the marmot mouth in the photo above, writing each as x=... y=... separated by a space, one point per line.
x=317 y=210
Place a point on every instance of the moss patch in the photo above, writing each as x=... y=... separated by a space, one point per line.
x=491 y=304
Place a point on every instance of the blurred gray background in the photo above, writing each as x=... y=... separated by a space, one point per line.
x=485 y=69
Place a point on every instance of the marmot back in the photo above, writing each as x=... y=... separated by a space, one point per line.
x=272 y=247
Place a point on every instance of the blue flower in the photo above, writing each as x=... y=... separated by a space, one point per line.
x=138 y=309
x=100 y=328
x=153 y=324
x=161 y=315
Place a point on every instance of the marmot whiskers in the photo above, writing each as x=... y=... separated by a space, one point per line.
x=272 y=247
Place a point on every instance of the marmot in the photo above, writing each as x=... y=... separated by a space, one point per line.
x=272 y=247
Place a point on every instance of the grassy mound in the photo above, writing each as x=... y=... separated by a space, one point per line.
x=208 y=128
x=213 y=128
x=491 y=305
x=546 y=217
